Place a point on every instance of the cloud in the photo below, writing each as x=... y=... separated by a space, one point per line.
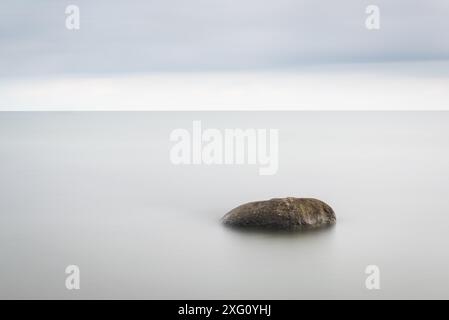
x=196 y=35
x=380 y=86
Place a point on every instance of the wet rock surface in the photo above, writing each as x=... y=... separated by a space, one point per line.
x=281 y=214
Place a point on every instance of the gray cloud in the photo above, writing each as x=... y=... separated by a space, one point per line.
x=177 y=35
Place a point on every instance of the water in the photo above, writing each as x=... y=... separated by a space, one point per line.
x=98 y=190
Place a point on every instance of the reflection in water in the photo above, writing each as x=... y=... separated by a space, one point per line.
x=280 y=234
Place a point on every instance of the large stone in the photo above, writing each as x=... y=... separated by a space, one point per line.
x=281 y=214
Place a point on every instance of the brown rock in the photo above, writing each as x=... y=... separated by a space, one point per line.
x=281 y=214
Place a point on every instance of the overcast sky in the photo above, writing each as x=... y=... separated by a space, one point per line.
x=195 y=35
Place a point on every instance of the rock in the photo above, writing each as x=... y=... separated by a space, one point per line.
x=281 y=214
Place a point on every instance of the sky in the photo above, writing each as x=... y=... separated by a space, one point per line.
x=202 y=35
